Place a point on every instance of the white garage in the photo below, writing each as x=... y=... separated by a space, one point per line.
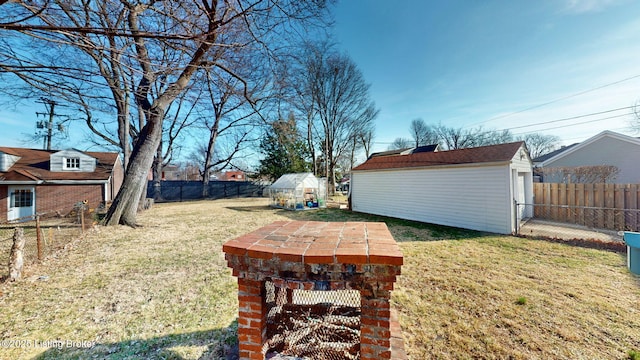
x=475 y=188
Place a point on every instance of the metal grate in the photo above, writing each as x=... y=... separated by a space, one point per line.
x=313 y=325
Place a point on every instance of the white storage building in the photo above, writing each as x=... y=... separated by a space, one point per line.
x=474 y=188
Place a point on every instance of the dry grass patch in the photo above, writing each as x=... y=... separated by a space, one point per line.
x=504 y=297
x=159 y=291
x=163 y=291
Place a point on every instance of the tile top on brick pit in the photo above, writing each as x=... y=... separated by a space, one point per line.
x=313 y=242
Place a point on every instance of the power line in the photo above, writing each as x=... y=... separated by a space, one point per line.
x=488 y=131
x=620 y=129
x=569 y=125
x=557 y=100
x=570 y=118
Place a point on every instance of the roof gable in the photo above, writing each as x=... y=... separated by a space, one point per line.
x=7 y=160
x=60 y=161
x=484 y=154
x=544 y=157
x=577 y=147
x=294 y=181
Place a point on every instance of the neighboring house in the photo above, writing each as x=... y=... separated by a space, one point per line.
x=475 y=188
x=43 y=181
x=234 y=175
x=170 y=172
x=606 y=148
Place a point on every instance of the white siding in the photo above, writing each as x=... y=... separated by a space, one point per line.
x=475 y=197
x=56 y=161
x=522 y=186
x=7 y=161
x=521 y=161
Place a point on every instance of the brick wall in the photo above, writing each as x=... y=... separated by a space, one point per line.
x=62 y=198
x=117 y=178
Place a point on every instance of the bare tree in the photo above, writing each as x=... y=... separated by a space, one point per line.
x=540 y=144
x=362 y=141
x=460 y=138
x=366 y=138
x=179 y=117
x=400 y=143
x=163 y=44
x=343 y=107
x=299 y=90
x=455 y=138
x=591 y=174
x=61 y=57
x=422 y=133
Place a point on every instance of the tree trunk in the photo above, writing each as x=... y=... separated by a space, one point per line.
x=157 y=174
x=213 y=137
x=16 y=258
x=124 y=208
x=124 y=130
x=311 y=145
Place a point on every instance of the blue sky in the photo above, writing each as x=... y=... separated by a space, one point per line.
x=495 y=63
x=465 y=63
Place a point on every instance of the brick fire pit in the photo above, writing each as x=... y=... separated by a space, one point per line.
x=281 y=268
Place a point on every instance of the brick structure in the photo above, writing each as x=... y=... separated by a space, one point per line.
x=62 y=198
x=300 y=255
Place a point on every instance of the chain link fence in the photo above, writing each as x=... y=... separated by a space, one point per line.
x=312 y=324
x=577 y=222
x=193 y=190
x=45 y=235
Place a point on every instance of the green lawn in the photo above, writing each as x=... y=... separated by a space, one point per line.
x=163 y=291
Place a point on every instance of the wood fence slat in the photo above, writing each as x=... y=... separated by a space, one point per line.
x=547 y=211
x=562 y=200
x=538 y=197
x=632 y=203
x=589 y=216
x=598 y=201
x=554 y=201
x=609 y=204
x=580 y=203
x=619 y=206
x=571 y=202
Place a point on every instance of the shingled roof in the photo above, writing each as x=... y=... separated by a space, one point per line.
x=483 y=154
x=33 y=165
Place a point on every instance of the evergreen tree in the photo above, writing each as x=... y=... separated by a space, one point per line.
x=284 y=149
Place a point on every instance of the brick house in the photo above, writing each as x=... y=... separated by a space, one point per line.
x=232 y=175
x=53 y=181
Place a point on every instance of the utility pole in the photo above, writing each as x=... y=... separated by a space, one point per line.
x=48 y=124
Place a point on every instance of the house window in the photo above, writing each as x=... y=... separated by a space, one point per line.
x=72 y=163
x=22 y=198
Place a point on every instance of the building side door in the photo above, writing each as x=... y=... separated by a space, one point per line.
x=22 y=203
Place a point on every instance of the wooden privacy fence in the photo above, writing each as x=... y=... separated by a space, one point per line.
x=600 y=206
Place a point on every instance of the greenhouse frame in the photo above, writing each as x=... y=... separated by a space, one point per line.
x=301 y=191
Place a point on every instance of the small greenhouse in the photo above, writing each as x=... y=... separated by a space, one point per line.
x=301 y=191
